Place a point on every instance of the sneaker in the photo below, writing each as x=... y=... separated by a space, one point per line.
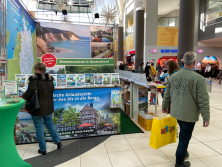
x=42 y=152
x=59 y=145
x=185 y=164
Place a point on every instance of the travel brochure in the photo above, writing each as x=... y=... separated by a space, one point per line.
x=74 y=80
x=11 y=89
x=116 y=99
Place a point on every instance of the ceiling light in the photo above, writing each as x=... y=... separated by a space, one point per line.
x=174 y=3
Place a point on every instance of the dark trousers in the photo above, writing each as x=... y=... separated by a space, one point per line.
x=186 y=130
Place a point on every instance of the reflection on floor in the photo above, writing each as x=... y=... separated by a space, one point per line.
x=133 y=150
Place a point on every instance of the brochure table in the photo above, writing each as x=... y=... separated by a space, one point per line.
x=9 y=156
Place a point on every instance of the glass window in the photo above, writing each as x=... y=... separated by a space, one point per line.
x=163 y=22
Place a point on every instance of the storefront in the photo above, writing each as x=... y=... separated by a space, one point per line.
x=163 y=53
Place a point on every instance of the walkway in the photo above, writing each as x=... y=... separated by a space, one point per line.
x=133 y=150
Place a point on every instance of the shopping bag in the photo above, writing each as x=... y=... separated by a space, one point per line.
x=163 y=132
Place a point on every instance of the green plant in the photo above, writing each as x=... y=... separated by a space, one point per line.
x=71 y=117
x=55 y=120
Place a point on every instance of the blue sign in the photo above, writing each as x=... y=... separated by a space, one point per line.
x=169 y=51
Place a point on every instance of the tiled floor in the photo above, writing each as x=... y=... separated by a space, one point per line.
x=133 y=150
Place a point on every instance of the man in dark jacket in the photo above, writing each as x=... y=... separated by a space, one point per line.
x=45 y=88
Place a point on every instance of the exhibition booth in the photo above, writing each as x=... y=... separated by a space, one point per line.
x=87 y=95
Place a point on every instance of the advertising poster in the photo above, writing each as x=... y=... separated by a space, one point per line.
x=101 y=42
x=21 y=40
x=115 y=78
x=143 y=99
x=21 y=80
x=61 y=80
x=70 y=79
x=106 y=79
x=63 y=40
x=98 y=79
x=80 y=79
x=116 y=98
x=77 y=113
x=54 y=79
x=89 y=79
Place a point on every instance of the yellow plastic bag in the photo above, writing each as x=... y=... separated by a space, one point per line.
x=163 y=132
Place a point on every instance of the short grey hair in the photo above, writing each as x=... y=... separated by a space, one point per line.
x=189 y=57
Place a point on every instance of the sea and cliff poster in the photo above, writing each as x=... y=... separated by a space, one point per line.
x=63 y=40
x=77 y=113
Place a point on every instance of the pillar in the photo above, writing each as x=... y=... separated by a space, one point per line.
x=134 y=23
x=151 y=23
x=186 y=28
x=120 y=43
x=139 y=41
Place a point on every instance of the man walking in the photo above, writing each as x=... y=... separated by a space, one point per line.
x=187 y=92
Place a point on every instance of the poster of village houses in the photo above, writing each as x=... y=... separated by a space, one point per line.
x=87 y=113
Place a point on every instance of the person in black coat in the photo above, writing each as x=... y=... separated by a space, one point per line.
x=147 y=71
x=45 y=88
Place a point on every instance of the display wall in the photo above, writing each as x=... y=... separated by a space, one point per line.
x=21 y=40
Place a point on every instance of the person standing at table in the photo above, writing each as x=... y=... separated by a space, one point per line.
x=187 y=92
x=45 y=88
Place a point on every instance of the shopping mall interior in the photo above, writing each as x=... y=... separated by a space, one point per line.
x=107 y=108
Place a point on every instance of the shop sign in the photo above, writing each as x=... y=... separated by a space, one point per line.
x=169 y=51
x=200 y=51
x=153 y=50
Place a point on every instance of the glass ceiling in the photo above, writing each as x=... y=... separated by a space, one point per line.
x=76 y=15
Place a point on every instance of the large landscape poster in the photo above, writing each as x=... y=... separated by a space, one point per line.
x=21 y=40
x=63 y=40
x=77 y=113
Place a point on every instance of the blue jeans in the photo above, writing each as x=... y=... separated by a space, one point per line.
x=186 y=130
x=38 y=122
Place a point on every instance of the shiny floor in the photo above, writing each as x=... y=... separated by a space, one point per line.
x=133 y=150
